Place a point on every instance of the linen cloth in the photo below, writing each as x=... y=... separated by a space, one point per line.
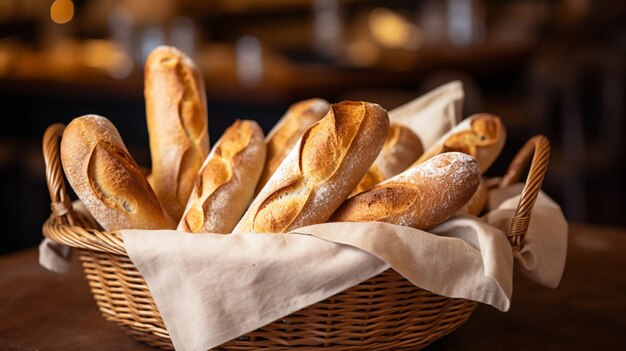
x=433 y=114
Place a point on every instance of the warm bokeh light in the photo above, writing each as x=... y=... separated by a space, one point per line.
x=362 y=52
x=391 y=30
x=62 y=11
x=107 y=56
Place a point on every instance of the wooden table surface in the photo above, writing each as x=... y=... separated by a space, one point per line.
x=41 y=310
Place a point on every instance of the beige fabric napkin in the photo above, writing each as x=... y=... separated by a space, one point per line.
x=57 y=257
x=212 y=288
x=433 y=114
x=54 y=257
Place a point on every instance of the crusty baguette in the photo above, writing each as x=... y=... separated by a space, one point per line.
x=226 y=182
x=107 y=179
x=177 y=125
x=402 y=148
x=286 y=133
x=421 y=197
x=320 y=171
x=481 y=136
x=477 y=202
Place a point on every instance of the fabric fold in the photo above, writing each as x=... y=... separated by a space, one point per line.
x=466 y=259
x=211 y=288
x=54 y=257
x=433 y=114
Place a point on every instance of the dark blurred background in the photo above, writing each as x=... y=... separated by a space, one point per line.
x=550 y=67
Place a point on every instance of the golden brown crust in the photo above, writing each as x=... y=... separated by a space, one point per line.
x=402 y=148
x=107 y=179
x=319 y=173
x=177 y=124
x=421 y=197
x=477 y=202
x=287 y=132
x=224 y=186
x=481 y=136
x=226 y=182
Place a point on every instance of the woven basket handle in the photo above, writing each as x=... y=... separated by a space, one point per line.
x=536 y=151
x=60 y=204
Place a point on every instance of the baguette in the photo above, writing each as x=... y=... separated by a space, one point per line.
x=287 y=132
x=177 y=125
x=226 y=182
x=320 y=171
x=107 y=179
x=421 y=197
x=402 y=148
x=481 y=136
x=478 y=201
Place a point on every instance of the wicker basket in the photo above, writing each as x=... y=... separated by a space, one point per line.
x=384 y=312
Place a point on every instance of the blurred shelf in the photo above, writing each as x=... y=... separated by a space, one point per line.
x=284 y=79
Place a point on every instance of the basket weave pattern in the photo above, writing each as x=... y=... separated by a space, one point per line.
x=382 y=313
